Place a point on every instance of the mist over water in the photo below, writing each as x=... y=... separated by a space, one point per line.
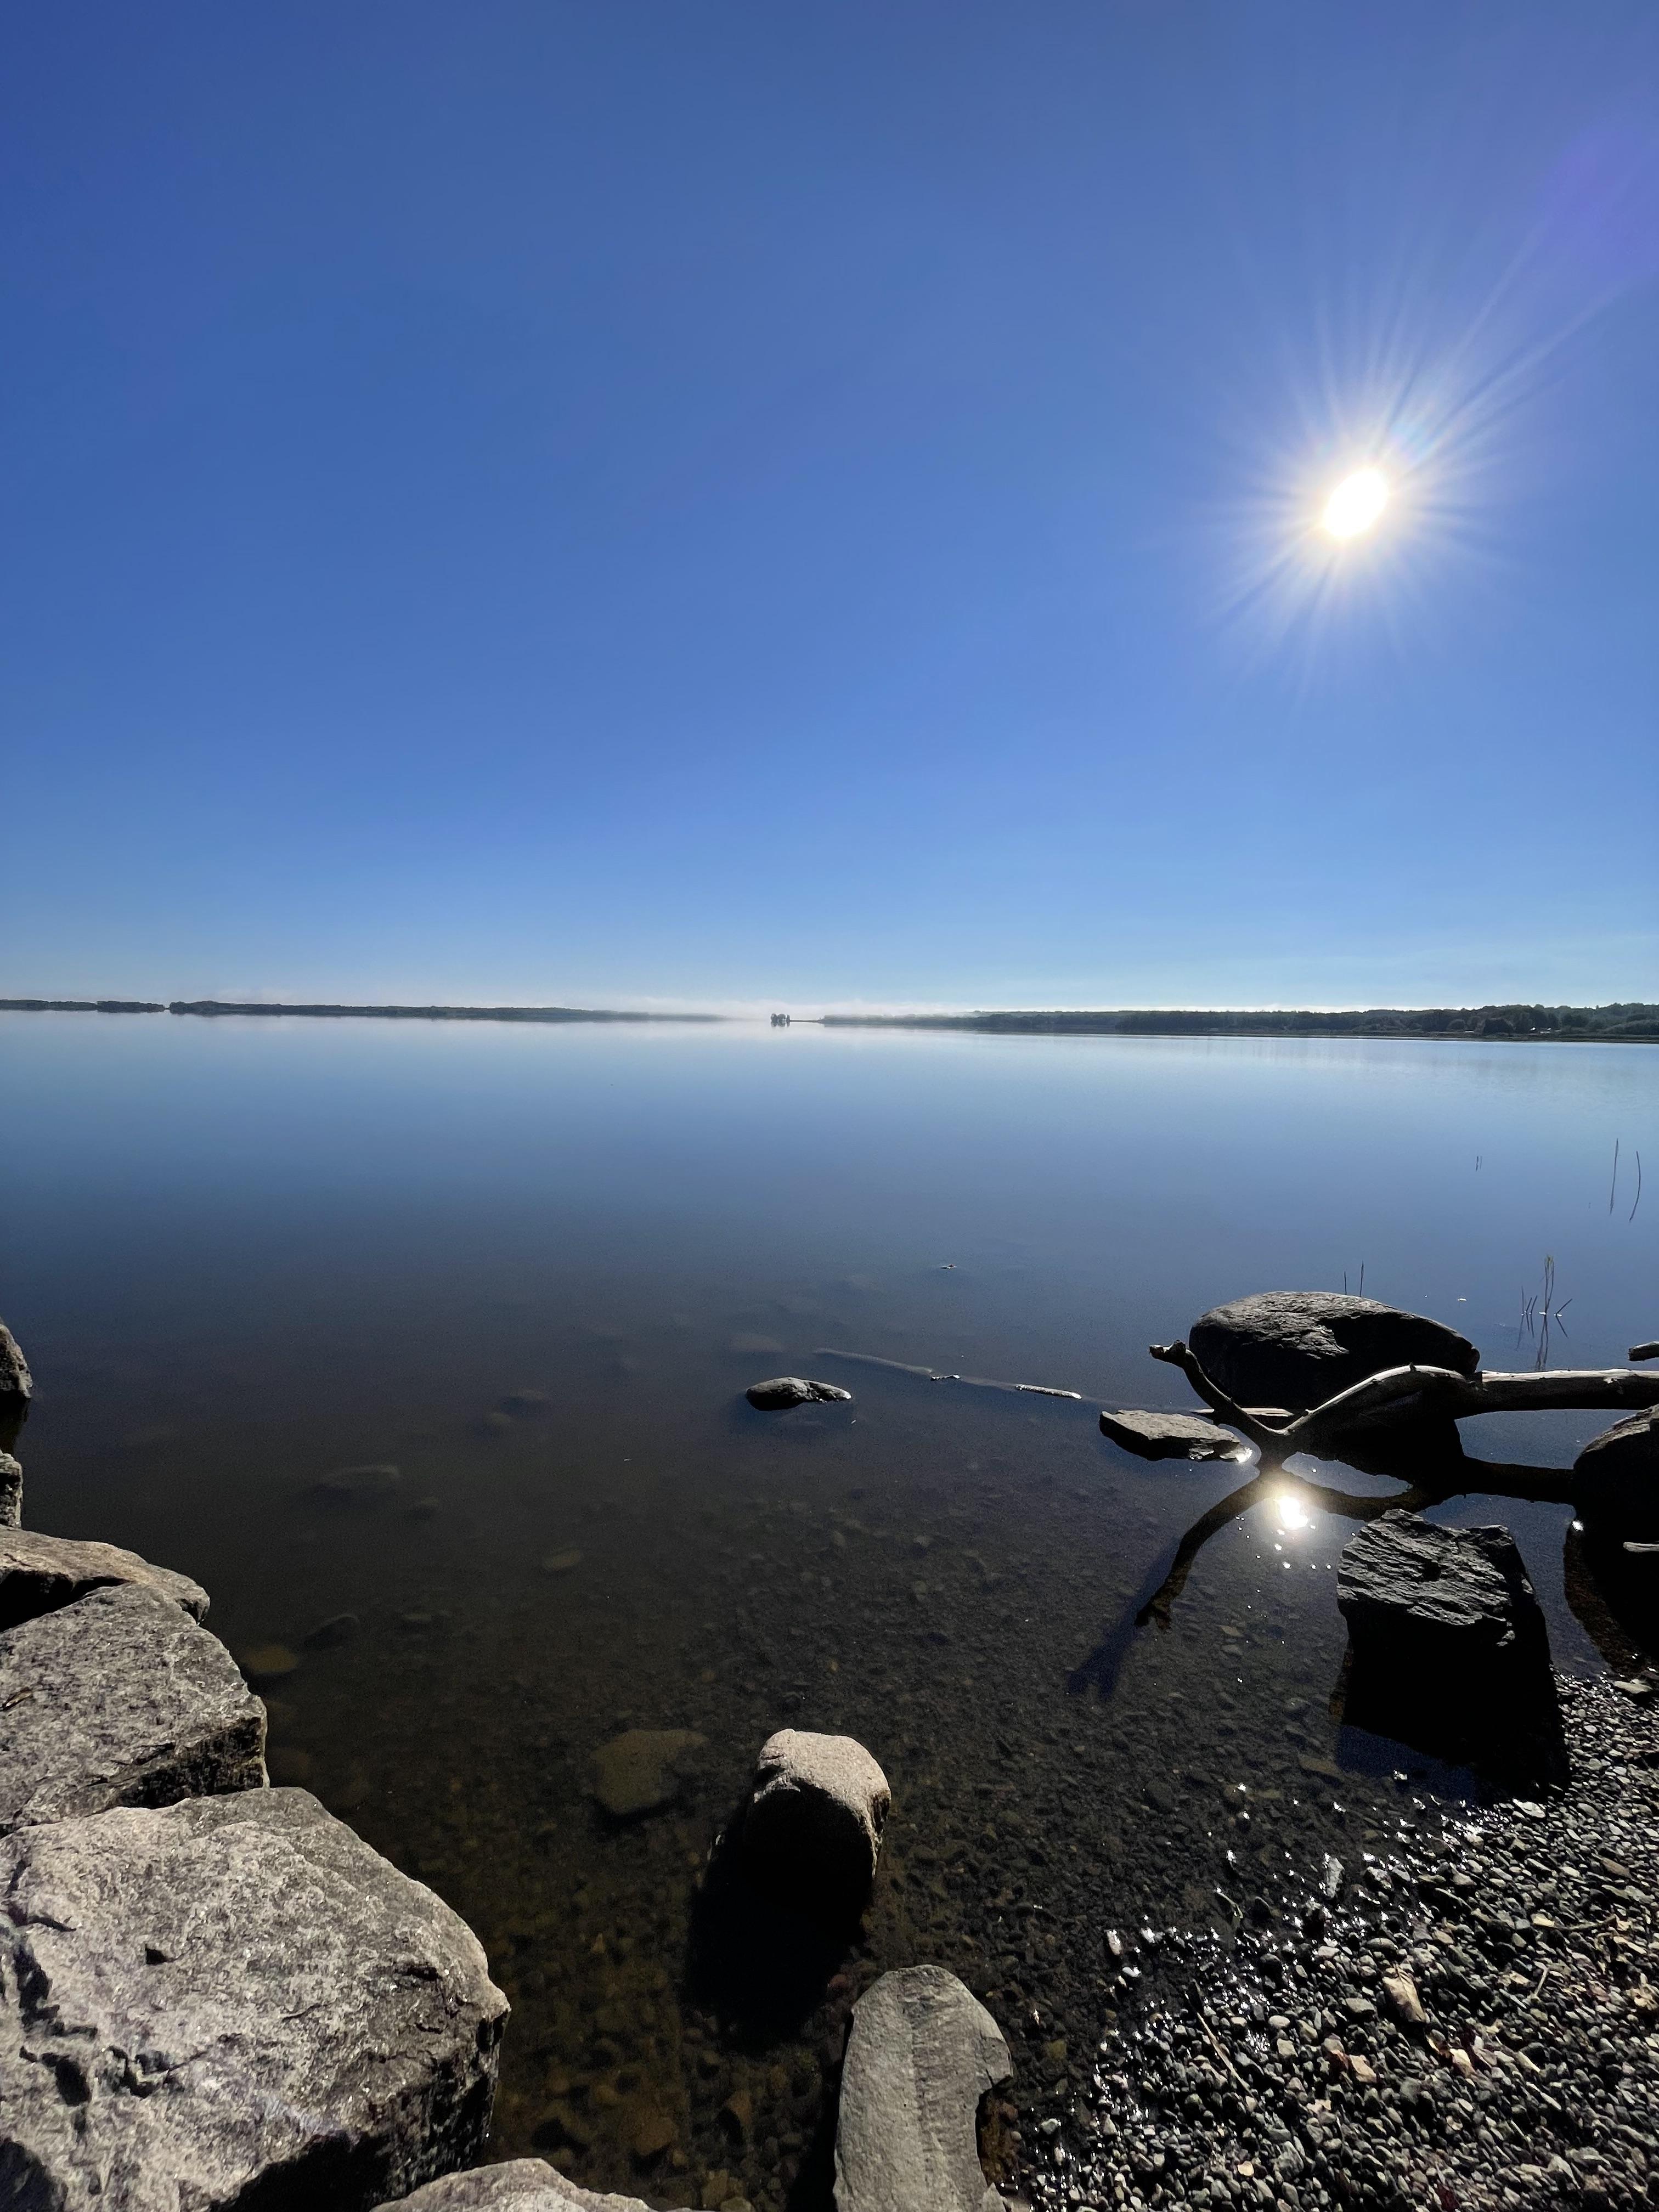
x=533 y=1270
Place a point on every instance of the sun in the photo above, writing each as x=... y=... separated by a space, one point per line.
x=1356 y=505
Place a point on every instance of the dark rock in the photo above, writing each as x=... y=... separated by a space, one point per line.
x=38 y=1573
x=922 y=2053
x=232 y=2001
x=356 y=1485
x=812 y=1829
x=1615 y=1479
x=1449 y=1648
x=1649 y=1351
x=16 y=1380
x=338 y=1628
x=120 y=1700
x=784 y=1391
x=644 y=1770
x=11 y=1492
x=1170 y=1435
x=522 y=2184
x=1297 y=1348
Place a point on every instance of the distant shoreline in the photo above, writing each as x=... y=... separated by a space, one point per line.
x=1621 y=1023
x=216 y=1006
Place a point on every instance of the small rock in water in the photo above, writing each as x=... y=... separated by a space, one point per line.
x=783 y=1391
x=643 y=1769
x=267 y=1662
x=811 y=1831
x=338 y=1628
x=356 y=1485
x=560 y=1563
x=16 y=1380
x=922 y=2053
x=524 y=1401
x=11 y=1492
x=1170 y=1435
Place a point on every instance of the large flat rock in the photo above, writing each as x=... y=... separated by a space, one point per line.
x=1170 y=1435
x=38 y=1573
x=120 y=1699
x=922 y=2052
x=232 y=2001
x=1298 y=1348
x=1615 y=1479
x=521 y=2184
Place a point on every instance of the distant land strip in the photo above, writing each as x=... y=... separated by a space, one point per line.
x=373 y=1013
x=1628 y=1022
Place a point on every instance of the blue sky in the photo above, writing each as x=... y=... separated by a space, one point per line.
x=713 y=502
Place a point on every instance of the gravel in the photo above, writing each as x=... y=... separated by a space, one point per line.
x=1471 y=2020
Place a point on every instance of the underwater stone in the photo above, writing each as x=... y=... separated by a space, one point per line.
x=120 y=1700
x=40 y=1573
x=922 y=2052
x=1297 y=1348
x=246 y=2005
x=784 y=1391
x=643 y=1769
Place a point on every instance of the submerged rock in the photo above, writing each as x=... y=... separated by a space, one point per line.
x=922 y=2053
x=1615 y=1479
x=11 y=1492
x=812 y=1829
x=16 y=1380
x=356 y=1485
x=784 y=1391
x=522 y=2184
x=1170 y=1435
x=38 y=1573
x=120 y=1699
x=247 y=2005
x=1449 y=1651
x=643 y=1769
x=1297 y=1348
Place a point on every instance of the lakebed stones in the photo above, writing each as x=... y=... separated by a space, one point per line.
x=783 y=1391
x=231 y=2001
x=11 y=1492
x=522 y=2184
x=812 y=1829
x=1615 y=1479
x=644 y=1770
x=922 y=2053
x=38 y=1573
x=356 y=1485
x=1170 y=1435
x=1449 y=1647
x=120 y=1699
x=1297 y=1348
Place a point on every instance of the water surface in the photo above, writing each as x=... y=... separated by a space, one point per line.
x=533 y=1269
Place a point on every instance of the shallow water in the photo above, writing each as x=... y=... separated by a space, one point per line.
x=533 y=1269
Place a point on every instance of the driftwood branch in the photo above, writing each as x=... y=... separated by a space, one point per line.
x=1428 y=1392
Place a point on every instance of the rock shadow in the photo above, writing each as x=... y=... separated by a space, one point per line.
x=1613 y=1589
x=760 y=1964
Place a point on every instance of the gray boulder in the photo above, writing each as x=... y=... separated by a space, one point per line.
x=784 y=1391
x=922 y=2052
x=644 y=1770
x=1170 y=1435
x=522 y=2184
x=1615 y=1479
x=38 y=1573
x=812 y=1829
x=11 y=1492
x=16 y=1380
x=232 y=2001
x=120 y=1699
x=1296 y=1348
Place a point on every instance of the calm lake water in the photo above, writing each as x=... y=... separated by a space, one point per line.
x=534 y=1268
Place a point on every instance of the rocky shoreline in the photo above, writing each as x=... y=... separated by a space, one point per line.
x=1462 y=2014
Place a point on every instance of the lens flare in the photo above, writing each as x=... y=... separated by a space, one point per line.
x=1356 y=504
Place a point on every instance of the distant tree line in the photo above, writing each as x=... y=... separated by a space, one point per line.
x=1626 y=1020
